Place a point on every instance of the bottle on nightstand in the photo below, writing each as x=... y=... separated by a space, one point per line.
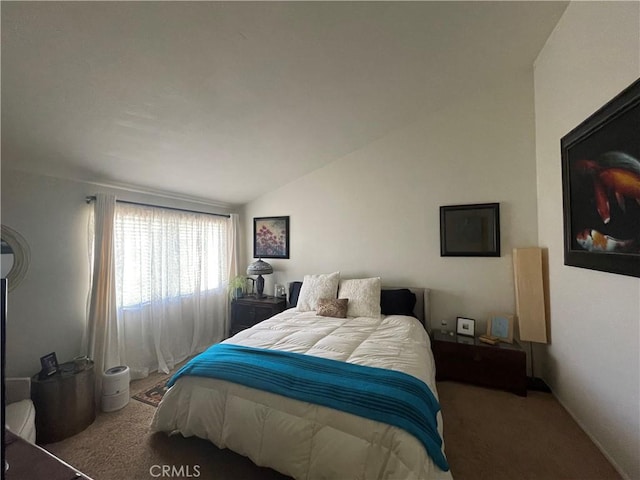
x=443 y=327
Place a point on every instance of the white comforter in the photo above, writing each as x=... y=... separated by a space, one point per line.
x=303 y=440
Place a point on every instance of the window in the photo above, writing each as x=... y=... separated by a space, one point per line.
x=159 y=292
x=163 y=254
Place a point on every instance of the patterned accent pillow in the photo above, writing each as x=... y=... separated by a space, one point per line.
x=332 y=307
x=315 y=287
x=363 y=295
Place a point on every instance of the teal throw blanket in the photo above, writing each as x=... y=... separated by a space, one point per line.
x=387 y=396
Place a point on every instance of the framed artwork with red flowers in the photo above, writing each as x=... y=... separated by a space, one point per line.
x=601 y=188
x=271 y=237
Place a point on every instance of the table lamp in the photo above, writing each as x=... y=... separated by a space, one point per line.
x=259 y=268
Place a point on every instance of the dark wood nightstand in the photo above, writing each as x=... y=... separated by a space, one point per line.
x=247 y=311
x=469 y=360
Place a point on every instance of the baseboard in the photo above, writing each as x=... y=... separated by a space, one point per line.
x=598 y=445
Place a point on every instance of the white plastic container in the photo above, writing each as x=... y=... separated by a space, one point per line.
x=115 y=388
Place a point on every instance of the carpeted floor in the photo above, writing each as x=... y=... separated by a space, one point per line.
x=494 y=435
x=488 y=435
x=119 y=446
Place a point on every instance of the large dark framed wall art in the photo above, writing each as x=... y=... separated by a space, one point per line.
x=601 y=188
x=470 y=230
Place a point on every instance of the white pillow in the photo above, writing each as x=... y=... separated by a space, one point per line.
x=363 y=295
x=315 y=287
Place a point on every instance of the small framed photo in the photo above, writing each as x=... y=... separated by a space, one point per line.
x=49 y=364
x=501 y=326
x=271 y=237
x=466 y=326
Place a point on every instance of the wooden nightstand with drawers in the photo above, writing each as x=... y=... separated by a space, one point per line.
x=466 y=359
x=247 y=311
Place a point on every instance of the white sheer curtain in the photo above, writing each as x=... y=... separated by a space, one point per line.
x=233 y=255
x=102 y=326
x=171 y=270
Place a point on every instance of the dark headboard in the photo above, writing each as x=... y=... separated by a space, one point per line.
x=294 y=293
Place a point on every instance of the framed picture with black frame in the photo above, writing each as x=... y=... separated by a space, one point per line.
x=466 y=326
x=470 y=230
x=601 y=188
x=49 y=364
x=271 y=237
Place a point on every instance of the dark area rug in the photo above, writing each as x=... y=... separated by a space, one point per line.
x=153 y=395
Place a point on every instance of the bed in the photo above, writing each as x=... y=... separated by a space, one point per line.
x=299 y=438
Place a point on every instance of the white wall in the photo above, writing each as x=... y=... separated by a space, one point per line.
x=375 y=212
x=593 y=361
x=47 y=311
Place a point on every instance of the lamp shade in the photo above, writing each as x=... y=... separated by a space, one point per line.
x=259 y=267
x=529 y=288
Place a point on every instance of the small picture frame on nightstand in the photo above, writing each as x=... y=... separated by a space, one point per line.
x=501 y=326
x=279 y=291
x=466 y=326
x=49 y=364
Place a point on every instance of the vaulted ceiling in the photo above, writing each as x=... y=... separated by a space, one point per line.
x=224 y=101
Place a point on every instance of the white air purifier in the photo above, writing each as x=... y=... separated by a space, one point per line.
x=115 y=388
